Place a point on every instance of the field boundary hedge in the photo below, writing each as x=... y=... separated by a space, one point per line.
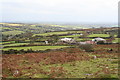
x=22 y=51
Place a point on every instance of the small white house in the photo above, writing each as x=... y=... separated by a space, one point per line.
x=67 y=39
x=87 y=42
x=81 y=34
x=46 y=42
x=82 y=42
x=96 y=40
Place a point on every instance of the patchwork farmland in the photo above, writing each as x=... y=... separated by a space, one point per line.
x=57 y=51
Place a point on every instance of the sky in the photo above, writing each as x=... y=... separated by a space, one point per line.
x=79 y=11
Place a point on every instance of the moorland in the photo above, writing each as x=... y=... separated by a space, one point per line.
x=36 y=51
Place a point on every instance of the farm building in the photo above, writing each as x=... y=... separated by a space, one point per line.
x=90 y=42
x=78 y=34
x=99 y=40
x=87 y=42
x=67 y=40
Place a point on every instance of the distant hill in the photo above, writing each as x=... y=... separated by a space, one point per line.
x=34 y=28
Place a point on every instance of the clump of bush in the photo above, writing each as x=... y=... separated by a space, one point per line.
x=22 y=51
x=86 y=47
x=100 y=42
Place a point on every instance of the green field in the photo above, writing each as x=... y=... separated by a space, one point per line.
x=83 y=39
x=71 y=36
x=117 y=40
x=98 y=35
x=115 y=35
x=57 y=33
x=50 y=33
x=75 y=31
x=66 y=26
x=15 y=32
x=5 y=28
x=7 y=42
x=36 y=47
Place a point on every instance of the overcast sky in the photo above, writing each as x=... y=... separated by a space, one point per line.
x=93 y=11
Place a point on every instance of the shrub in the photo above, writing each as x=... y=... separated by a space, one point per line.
x=86 y=47
x=100 y=42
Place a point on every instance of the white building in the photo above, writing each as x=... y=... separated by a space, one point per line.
x=67 y=40
x=98 y=40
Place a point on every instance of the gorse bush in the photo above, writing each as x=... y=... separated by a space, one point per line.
x=100 y=42
x=86 y=47
x=22 y=51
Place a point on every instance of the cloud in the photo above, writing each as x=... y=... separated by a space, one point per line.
x=62 y=10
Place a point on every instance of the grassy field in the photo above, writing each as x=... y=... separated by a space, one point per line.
x=50 y=33
x=10 y=24
x=57 y=33
x=117 y=40
x=7 y=42
x=36 y=47
x=66 y=26
x=83 y=39
x=5 y=28
x=71 y=36
x=57 y=26
x=98 y=35
x=115 y=35
x=15 y=32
